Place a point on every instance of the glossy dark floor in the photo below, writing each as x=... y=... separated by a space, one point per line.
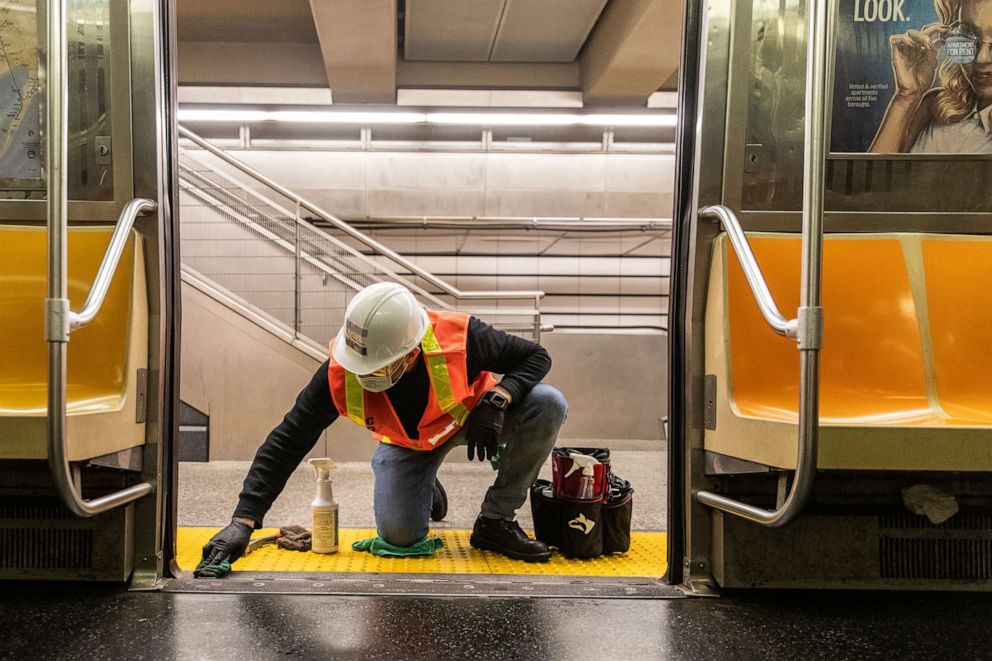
x=59 y=622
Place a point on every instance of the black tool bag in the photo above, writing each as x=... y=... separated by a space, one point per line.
x=616 y=522
x=584 y=529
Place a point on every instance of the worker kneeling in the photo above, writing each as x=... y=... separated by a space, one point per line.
x=422 y=382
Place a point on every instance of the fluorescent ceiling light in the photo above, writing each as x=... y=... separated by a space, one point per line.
x=448 y=118
x=654 y=119
x=549 y=119
x=503 y=118
x=196 y=115
x=346 y=117
x=300 y=116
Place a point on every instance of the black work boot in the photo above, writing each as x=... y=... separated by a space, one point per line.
x=507 y=538
x=439 y=505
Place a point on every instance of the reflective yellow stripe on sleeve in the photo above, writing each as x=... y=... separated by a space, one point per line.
x=441 y=378
x=355 y=398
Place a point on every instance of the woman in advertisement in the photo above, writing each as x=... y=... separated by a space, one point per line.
x=956 y=116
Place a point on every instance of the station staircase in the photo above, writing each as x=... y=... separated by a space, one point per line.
x=246 y=242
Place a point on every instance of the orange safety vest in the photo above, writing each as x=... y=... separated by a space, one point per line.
x=450 y=400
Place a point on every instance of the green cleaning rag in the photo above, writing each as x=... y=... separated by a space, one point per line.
x=379 y=546
x=222 y=568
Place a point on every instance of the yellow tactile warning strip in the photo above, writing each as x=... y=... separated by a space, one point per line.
x=646 y=557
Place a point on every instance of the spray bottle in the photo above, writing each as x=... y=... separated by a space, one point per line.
x=588 y=466
x=325 y=511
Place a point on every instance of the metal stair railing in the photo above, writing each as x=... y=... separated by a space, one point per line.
x=246 y=310
x=267 y=227
x=248 y=234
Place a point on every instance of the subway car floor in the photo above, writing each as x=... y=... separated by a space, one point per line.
x=55 y=621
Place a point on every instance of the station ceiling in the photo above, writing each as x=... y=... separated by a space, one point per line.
x=616 y=52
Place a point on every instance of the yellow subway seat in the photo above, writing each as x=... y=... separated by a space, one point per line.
x=97 y=354
x=104 y=358
x=871 y=362
x=892 y=396
x=959 y=301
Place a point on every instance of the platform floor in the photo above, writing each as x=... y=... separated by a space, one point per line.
x=646 y=558
x=208 y=493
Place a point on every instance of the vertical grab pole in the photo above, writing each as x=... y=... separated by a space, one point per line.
x=819 y=65
x=809 y=322
x=537 y=319
x=57 y=303
x=57 y=315
x=297 y=287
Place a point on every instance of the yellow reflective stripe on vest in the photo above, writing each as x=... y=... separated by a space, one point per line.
x=441 y=378
x=355 y=397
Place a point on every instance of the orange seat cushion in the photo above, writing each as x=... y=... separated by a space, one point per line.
x=871 y=362
x=97 y=353
x=959 y=302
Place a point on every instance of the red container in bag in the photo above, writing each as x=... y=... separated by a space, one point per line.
x=580 y=473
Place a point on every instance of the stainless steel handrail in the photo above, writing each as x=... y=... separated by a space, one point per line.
x=348 y=229
x=279 y=329
x=809 y=328
x=807 y=437
x=57 y=315
x=227 y=202
x=551 y=223
x=197 y=191
x=742 y=248
x=98 y=291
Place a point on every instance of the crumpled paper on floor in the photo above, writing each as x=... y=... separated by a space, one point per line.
x=938 y=506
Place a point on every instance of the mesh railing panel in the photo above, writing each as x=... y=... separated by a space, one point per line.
x=250 y=240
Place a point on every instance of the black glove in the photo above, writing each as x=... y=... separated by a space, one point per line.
x=484 y=428
x=230 y=542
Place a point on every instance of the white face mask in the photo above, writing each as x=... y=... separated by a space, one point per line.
x=386 y=378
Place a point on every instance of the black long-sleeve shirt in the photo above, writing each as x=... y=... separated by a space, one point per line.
x=522 y=363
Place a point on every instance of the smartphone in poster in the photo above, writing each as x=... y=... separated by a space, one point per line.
x=913 y=76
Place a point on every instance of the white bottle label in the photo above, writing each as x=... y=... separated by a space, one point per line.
x=325 y=531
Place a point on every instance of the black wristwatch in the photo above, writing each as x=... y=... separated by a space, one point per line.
x=496 y=399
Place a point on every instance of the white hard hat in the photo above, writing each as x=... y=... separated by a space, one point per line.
x=383 y=323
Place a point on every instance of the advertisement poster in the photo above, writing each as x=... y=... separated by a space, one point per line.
x=913 y=76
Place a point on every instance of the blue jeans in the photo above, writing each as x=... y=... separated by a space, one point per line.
x=404 y=479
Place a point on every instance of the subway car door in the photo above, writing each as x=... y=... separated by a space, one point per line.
x=90 y=311
x=829 y=421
